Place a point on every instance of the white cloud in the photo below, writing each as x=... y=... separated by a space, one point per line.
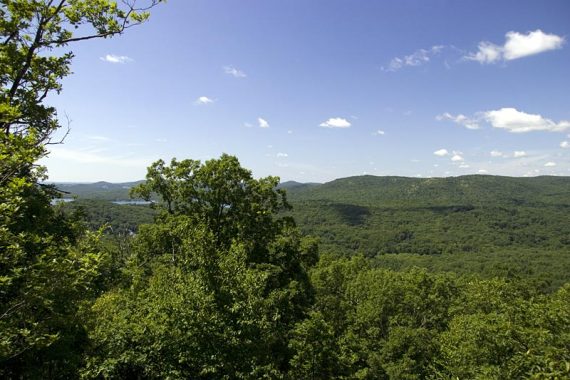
x=456 y=158
x=417 y=58
x=565 y=144
x=496 y=153
x=459 y=119
x=518 y=167
x=487 y=53
x=519 y=154
x=282 y=155
x=509 y=118
x=482 y=171
x=550 y=164
x=236 y=73
x=379 y=133
x=161 y=140
x=203 y=100
x=517 y=45
x=521 y=45
x=464 y=166
x=520 y=122
x=111 y=58
x=335 y=122
x=441 y=152
x=262 y=123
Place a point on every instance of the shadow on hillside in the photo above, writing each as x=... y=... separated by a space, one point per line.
x=351 y=214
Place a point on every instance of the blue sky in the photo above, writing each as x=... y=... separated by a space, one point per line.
x=317 y=90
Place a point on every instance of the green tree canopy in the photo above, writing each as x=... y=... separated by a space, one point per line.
x=47 y=262
x=222 y=195
x=215 y=286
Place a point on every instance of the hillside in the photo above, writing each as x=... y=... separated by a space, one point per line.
x=120 y=191
x=479 y=190
x=377 y=215
x=294 y=185
x=98 y=190
x=491 y=226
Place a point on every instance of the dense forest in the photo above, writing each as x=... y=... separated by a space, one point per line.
x=487 y=228
x=496 y=310
x=220 y=275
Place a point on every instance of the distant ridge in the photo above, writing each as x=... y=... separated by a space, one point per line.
x=296 y=185
x=470 y=189
x=98 y=190
x=431 y=216
x=380 y=190
x=379 y=215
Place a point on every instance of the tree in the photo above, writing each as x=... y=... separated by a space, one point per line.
x=30 y=30
x=315 y=350
x=217 y=283
x=221 y=194
x=503 y=330
x=47 y=262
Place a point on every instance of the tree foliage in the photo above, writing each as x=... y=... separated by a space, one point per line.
x=416 y=325
x=216 y=285
x=221 y=194
x=47 y=263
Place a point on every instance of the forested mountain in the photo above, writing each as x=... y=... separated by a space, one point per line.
x=376 y=215
x=290 y=185
x=117 y=219
x=390 y=190
x=479 y=190
x=120 y=191
x=98 y=190
x=487 y=225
